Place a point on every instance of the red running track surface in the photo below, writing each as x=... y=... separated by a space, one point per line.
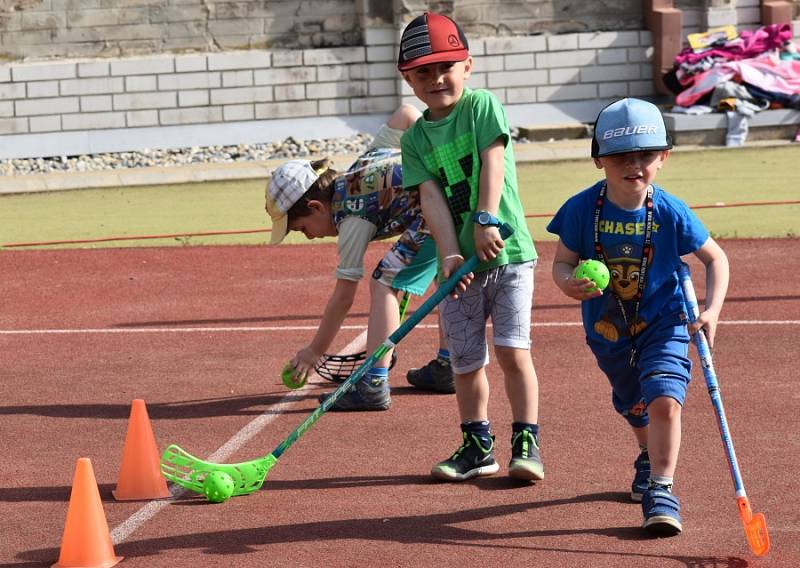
x=201 y=335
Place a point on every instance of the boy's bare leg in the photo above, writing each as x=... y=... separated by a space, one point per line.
x=472 y=394
x=404 y=117
x=660 y=507
x=641 y=435
x=384 y=318
x=664 y=436
x=522 y=390
x=521 y=382
x=660 y=442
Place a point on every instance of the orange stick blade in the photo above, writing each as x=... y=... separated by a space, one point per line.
x=755 y=527
x=757 y=535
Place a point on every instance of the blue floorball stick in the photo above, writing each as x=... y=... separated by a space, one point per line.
x=755 y=526
x=182 y=468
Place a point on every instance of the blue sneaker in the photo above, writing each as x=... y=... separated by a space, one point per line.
x=642 y=477
x=662 y=512
x=370 y=393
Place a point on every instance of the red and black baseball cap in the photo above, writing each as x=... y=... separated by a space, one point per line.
x=431 y=38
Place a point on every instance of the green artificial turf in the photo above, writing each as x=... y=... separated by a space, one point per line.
x=699 y=178
x=702 y=177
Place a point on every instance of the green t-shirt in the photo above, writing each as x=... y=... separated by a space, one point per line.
x=447 y=151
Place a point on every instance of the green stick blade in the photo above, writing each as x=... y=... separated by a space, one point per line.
x=188 y=471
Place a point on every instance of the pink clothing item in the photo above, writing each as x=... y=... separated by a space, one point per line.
x=767 y=73
x=749 y=44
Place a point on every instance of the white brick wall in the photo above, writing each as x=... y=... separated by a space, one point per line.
x=565 y=68
x=255 y=85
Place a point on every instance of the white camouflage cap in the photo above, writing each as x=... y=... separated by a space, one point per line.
x=288 y=184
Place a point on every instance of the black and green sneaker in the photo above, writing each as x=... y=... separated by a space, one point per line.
x=468 y=461
x=526 y=463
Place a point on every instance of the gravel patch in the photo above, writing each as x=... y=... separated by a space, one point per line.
x=289 y=148
x=147 y=158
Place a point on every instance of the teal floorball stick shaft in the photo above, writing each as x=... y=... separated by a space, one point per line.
x=188 y=471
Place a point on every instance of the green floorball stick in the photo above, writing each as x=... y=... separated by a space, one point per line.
x=183 y=469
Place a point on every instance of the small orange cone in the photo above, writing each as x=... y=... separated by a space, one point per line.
x=86 y=542
x=140 y=473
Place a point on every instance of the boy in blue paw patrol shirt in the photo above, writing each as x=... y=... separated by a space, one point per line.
x=637 y=330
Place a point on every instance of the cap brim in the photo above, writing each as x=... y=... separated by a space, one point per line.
x=280 y=227
x=636 y=149
x=446 y=57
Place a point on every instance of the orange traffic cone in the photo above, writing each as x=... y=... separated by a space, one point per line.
x=140 y=474
x=86 y=541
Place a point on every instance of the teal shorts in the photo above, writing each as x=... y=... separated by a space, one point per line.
x=411 y=264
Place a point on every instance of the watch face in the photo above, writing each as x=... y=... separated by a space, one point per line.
x=483 y=219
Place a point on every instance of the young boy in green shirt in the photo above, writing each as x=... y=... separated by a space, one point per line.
x=459 y=157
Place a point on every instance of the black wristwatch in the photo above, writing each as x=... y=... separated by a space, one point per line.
x=486 y=219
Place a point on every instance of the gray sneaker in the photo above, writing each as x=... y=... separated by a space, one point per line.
x=436 y=376
x=370 y=393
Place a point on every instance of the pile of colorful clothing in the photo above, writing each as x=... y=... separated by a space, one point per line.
x=740 y=75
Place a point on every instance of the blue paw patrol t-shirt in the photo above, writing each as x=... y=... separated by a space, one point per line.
x=676 y=232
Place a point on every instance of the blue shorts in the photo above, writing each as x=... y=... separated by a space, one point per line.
x=663 y=367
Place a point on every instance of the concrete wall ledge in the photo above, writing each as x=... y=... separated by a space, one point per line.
x=677 y=122
x=777 y=124
x=544 y=133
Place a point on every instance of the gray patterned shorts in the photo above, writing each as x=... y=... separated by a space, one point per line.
x=506 y=294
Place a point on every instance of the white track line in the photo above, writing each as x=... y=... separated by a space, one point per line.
x=122 y=531
x=261 y=329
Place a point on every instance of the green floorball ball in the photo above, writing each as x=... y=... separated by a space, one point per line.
x=218 y=486
x=290 y=380
x=595 y=271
